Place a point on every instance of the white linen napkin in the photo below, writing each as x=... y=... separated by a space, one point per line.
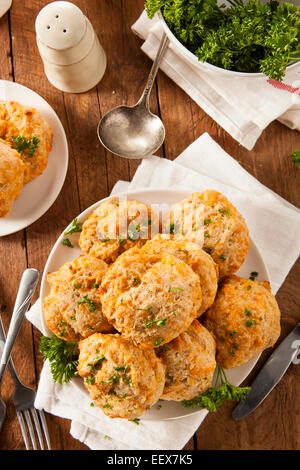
x=243 y=106
x=274 y=225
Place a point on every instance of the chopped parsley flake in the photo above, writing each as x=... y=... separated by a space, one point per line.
x=87 y=301
x=175 y=289
x=90 y=380
x=135 y=421
x=223 y=257
x=67 y=242
x=158 y=341
x=206 y=221
x=159 y=323
x=74 y=227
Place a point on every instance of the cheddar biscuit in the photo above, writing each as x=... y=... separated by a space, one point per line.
x=122 y=379
x=190 y=361
x=209 y=219
x=24 y=129
x=150 y=298
x=244 y=320
x=116 y=226
x=11 y=178
x=73 y=309
x=189 y=252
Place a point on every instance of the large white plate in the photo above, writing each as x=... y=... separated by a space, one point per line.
x=38 y=195
x=163 y=198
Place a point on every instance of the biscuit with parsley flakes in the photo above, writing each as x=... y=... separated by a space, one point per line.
x=122 y=379
x=24 y=129
x=190 y=361
x=73 y=308
x=11 y=178
x=201 y=263
x=150 y=298
x=210 y=220
x=244 y=320
x=117 y=225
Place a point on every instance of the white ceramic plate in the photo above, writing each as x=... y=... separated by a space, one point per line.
x=5 y=5
x=164 y=198
x=38 y=195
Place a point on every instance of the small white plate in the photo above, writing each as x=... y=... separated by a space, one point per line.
x=38 y=195
x=4 y=6
x=161 y=200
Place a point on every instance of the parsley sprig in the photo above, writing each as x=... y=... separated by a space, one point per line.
x=63 y=358
x=26 y=146
x=214 y=397
x=249 y=36
x=296 y=158
x=74 y=227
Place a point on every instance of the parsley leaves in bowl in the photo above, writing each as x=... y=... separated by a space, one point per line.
x=248 y=36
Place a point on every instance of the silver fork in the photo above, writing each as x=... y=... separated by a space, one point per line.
x=23 y=397
x=23 y=400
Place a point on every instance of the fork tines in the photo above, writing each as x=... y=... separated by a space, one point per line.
x=40 y=426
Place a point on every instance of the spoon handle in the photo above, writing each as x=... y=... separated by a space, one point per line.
x=146 y=93
x=26 y=290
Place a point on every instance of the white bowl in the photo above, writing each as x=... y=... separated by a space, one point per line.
x=206 y=66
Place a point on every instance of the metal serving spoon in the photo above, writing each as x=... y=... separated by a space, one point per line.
x=26 y=290
x=133 y=131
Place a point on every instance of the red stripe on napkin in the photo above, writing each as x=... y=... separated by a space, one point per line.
x=284 y=86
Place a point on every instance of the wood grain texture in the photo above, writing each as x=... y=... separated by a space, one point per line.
x=91 y=176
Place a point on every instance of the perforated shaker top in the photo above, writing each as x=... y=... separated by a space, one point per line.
x=60 y=25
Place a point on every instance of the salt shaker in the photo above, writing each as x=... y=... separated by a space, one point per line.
x=74 y=60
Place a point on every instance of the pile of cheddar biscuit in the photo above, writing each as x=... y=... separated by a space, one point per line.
x=156 y=306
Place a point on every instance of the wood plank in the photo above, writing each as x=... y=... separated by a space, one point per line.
x=12 y=253
x=28 y=70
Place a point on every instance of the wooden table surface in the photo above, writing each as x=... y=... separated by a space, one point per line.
x=91 y=176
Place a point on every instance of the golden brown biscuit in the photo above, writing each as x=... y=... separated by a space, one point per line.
x=73 y=308
x=116 y=226
x=244 y=320
x=150 y=298
x=18 y=122
x=210 y=220
x=190 y=361
x=122 y=379
x=11 y=178
x=201 y=263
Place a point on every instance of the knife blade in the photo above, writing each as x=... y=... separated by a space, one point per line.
x=270 y=374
